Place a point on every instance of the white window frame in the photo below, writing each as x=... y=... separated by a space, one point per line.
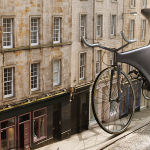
x=33 y=30
x=99 y=25
x=35 y=75
x=143 y=29
x=132 y=3
x=8 y=81
x=144 y=3
x=98 y=61
x=132 y=23
x=111 y=58
x=56 y=30
x=83 y=24
x=6 y=32
x=113 y=25
x=82 y=65
x=56 y=71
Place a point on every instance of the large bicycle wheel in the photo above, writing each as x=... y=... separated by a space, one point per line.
x=113 y=111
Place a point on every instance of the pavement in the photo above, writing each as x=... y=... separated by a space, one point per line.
x=97 y=139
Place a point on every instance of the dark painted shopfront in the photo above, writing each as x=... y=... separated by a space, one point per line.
x=80 y=109
x=38 y=122
x=44 y=121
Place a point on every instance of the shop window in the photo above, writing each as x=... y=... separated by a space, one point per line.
x=39 y=124
x=7 y=135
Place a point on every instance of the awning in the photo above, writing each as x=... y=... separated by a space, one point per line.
x=146 y=11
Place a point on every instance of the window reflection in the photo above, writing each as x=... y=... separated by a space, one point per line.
x=11 y=138
x=3 y=140
x=7 y=123
x=42 y=126
x=36 y=133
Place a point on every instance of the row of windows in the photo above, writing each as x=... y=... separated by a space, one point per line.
x=35 y=71
x=8 y=31
x=8 y=129
x=113 y=26
x=133 y=3
x=132 y=29
x=9 y=78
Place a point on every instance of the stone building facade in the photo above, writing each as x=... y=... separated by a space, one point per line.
x=46 y=70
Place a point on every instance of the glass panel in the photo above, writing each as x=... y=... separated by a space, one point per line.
x=7 y=123
x=39 y=113
x=42 y=126
x=36 y=132
x=56 y=65
x=3 y=140
x=11 y=138
x=56 y=77
x=24 y=118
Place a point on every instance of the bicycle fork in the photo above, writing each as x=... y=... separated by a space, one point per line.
x=118 y=67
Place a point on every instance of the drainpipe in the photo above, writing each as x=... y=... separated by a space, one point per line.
x=123 y=23
x=93 y=36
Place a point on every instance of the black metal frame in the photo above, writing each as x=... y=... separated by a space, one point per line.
x=138 y=58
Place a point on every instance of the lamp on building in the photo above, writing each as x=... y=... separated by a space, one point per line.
x=132 y=13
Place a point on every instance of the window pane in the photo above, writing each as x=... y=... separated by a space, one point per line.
x=36 y=132
x=3 y=140
x=39 y=113
x=42 y=130
x=7 y=123
x=11 y=138
x=56 y=77
x=24 y=118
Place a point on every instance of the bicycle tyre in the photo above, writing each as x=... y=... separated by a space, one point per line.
x=118 y=114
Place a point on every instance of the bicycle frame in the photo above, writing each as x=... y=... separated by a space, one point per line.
x=138 y=58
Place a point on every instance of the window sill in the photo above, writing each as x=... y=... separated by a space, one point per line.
x=99 y=38
x=57 y=86
x=114 y=1
x=113 y=37
x=82 y=80
x=100 y=0
x=35 y=92
x=142 y=40
x=132 y=7
x=40 y=139
x=10 y=98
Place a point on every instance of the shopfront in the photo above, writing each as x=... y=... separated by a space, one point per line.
x=33 y=124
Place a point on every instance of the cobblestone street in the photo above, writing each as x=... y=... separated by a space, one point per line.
x=139 y=140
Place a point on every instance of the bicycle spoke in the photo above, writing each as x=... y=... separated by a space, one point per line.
x=110 y=113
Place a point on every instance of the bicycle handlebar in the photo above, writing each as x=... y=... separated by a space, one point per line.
x=127 y=40
x=109 y=49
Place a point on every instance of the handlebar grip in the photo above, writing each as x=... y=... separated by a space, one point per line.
x=127 y=40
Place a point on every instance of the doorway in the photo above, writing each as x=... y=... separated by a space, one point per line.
x=24 y=131
x=55 y=122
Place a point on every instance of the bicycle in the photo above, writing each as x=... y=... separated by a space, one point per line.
x=113 y=100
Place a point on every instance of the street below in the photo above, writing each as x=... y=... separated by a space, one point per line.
x=97 y=139
x=139 y=140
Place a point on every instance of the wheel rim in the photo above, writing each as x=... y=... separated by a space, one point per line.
x=113 y=116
